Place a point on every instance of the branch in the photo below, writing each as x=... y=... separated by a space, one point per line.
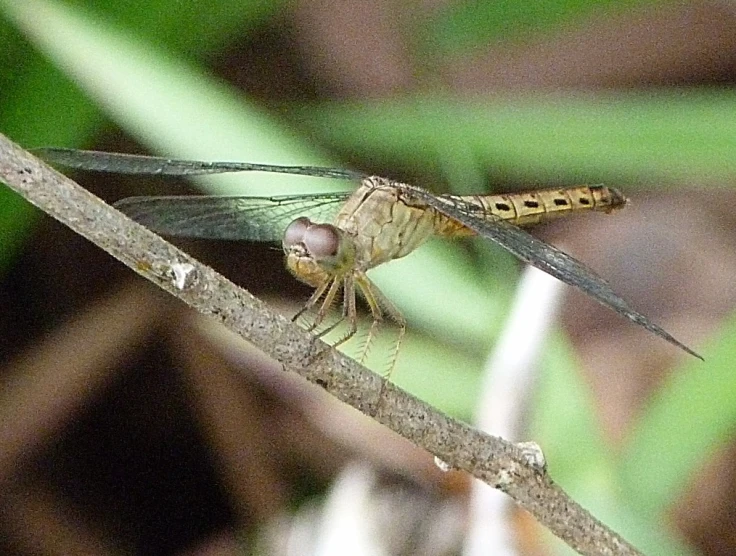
x=513 y=469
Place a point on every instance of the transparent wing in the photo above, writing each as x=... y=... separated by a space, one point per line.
x=541 y=255
x=234 y=218
x=119 y=163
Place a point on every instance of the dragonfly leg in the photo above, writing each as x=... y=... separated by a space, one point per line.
x=376 y=314
x=325 y=307
x=312 y=301
x=318 y=319
x=380 y=305
x=334 y=287
x=349 y=311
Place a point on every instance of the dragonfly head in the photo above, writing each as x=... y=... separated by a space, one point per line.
x=315 y=252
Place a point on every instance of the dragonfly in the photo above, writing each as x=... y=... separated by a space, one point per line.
x=331 y=240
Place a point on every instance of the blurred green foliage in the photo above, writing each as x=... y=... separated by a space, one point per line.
x=471 y=24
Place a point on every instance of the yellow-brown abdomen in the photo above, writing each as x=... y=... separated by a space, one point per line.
x=535 y=207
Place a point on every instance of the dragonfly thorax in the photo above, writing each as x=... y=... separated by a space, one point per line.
x=384 y=221
x=317 y=252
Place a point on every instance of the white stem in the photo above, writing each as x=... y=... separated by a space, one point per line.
x=510 y=375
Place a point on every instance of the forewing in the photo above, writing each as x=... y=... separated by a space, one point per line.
x=541 y=255
x=121 y=163
x=234 y=217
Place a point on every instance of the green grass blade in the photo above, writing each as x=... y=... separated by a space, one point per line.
x=463 y=25
x=661 y=137
x=691 y=418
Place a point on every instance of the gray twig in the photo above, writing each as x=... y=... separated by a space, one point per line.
x=499 y=463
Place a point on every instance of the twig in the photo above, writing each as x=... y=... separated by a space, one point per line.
x=501 y=464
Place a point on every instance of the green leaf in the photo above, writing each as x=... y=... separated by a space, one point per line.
x=565 y=424
x=687 y=422
x=467 y=24
x=193 y=27
x=650 y=138
x=16 y=220
x=39 y=105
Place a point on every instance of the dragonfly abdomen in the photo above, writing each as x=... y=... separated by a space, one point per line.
x=535 y=207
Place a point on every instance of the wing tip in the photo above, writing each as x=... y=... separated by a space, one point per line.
x=671 y=339
x=691 y=352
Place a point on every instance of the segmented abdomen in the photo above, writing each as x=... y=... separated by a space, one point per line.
x=534 y=207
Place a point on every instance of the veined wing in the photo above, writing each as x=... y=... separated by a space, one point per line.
x=229 y=217
x=210 y=217
x=541 y=255
x=119 y=163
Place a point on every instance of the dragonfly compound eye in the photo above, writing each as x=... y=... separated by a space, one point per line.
x=322 y=241
x=294 y=233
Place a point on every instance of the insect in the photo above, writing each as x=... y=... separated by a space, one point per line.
x=331 y=240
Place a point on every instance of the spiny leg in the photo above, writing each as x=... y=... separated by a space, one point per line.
x=312 y=301
x=334 y=286
x=349 y=311
x=400 y=321
x=376 y=312
x=335 y=324
x=325 y=307
x=380 y=304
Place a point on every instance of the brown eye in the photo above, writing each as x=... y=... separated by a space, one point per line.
x=322 y=240
x=295 y=231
